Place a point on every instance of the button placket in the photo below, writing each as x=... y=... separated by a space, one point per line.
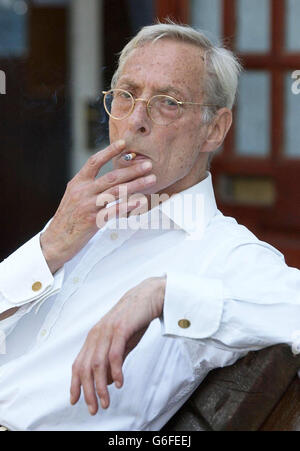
x=101 y=248
x=75 y=280
x=114 y=236
x=54 y=313
x=43 y=332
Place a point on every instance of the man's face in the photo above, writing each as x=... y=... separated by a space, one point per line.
x=175 y=69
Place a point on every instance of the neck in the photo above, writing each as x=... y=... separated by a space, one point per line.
x=182 y=185
x=196 y=175
x=179 y=186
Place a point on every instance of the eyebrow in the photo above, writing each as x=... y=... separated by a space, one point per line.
x=168 y=89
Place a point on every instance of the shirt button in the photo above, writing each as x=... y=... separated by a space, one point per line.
x=184 y=323
x=44 y=332
x=36 y=286
x=114 y=236
x=75 y=280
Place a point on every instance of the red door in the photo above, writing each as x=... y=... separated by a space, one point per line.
x=256 y=174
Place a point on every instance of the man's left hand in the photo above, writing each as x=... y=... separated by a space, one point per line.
x=100 y=360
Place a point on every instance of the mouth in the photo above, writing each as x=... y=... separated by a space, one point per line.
x=139 y=156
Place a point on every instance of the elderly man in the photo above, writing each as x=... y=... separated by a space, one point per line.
x=171 y=268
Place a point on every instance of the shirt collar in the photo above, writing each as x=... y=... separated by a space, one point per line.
x=190 y=210
x=193 y=208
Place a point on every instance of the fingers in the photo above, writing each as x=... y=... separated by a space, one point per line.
x=116 y=192
x=96 y=161
x=119 y=176
x=116 y=359
x=101 y=358
x=82 y=376
x=75 y=386
x=90 y=370
x=100 y=368
x=108 y=360
x=137 y=203
x=135 y=186
x=89 y=390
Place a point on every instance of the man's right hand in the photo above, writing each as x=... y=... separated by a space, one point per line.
x=74 y=222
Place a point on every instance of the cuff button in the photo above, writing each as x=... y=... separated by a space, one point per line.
x=184 y=323
x=36 y=286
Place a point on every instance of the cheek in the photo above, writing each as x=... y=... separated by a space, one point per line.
x=182 y=151
x=117 y=130
x=114 y=132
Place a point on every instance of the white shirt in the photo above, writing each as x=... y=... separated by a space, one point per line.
x=236 y=291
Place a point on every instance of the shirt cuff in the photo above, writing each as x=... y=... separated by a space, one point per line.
x=193 y=306
x=26 y=277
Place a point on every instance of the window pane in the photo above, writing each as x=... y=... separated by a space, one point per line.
x=292 y=119
x=207 y=16
x=13 y=31
x=293 y=25
x=253 y=25
x=253 y=114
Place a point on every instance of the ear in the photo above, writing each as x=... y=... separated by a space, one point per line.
x=217 y=130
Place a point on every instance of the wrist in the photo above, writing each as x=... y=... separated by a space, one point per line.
x=50 y=254
x=160 y=295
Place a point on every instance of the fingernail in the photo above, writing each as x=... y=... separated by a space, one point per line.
x=103 y=404
x=120 y=143
x=91 y=410
x=118 y=384
x=150 y=178
x=147 y=165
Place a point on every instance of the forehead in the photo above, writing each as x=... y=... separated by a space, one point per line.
x=165 y=63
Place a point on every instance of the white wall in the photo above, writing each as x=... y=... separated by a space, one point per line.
x=85 y=72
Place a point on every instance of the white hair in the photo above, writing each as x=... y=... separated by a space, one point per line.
x=222 y=67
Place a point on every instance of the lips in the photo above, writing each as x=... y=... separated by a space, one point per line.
x=139 y=156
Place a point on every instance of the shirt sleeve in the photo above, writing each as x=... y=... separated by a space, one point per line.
x=253 y=303
x=25 y=278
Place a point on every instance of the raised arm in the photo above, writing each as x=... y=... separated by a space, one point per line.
x=79 y=216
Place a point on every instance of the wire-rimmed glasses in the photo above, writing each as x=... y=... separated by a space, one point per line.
x=162 y=109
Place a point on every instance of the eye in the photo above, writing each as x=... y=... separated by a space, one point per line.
x=124 y=95
x=168 y=102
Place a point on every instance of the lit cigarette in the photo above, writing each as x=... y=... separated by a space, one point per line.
x=129 y=156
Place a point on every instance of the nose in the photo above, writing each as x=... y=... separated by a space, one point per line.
x=139 y=120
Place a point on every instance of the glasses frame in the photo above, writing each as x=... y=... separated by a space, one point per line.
x=180 y=104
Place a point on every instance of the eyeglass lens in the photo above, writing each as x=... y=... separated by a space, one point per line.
x=162 y=109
